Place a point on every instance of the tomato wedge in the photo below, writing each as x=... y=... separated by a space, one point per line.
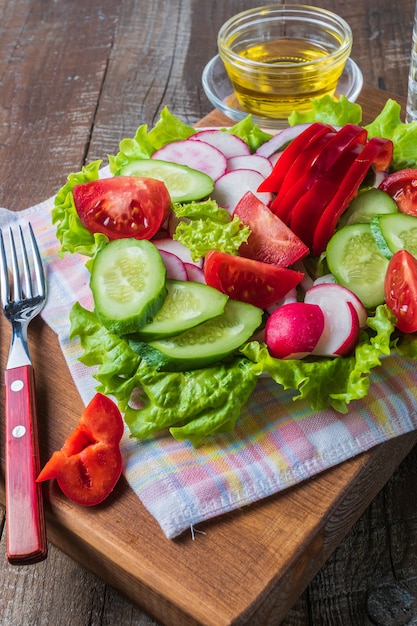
x=270 y=241
x=89 y=463
x=402 y=187
x=401 y=290
x=247 y=280
x=122 y=206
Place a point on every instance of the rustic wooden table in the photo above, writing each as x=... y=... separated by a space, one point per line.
x=75 y=78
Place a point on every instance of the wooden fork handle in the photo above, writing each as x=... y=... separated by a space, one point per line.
x=25 y=522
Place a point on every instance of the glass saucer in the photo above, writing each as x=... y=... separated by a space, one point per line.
x=219 y=91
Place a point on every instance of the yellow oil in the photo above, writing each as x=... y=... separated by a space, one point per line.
x=294 y=75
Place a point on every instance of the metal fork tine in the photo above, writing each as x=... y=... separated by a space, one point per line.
x=4 y=274
x=39 y=270
x=26 y=271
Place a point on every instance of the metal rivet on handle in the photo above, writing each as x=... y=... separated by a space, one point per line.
x=17 y=385
x=18 y=431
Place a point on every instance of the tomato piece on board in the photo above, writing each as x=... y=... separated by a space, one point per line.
x=274 y=181
x=402 y=187
x=122 y=206
x=270 y=241
x=401 y=290
x=89 y=463
x=377 y=152
x=247 y=280
x=323 y=167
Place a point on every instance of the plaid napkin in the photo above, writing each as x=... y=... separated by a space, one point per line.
x=277 y=442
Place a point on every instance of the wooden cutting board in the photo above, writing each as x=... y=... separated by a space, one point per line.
x=247 y=567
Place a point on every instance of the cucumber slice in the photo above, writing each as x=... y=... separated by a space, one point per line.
x=186 y=305
x=128 y=284
x=379 y=238
x=366 y=205
x=205 y=344
x=355 y=261
x=184 y=184
x=399 y=231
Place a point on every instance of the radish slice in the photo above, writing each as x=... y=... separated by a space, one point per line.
x=280 y=140
x=230 y=188
x=341 y=328
x=230 y=145
x=175 y=247
x=250 y=162
x=197 y=155
x=294 y=330
x=330 y=290
x=174 y=266
x=194 y=273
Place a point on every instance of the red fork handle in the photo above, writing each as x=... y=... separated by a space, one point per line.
x=25 y=522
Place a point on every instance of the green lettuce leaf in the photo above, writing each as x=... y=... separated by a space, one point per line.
x=249 y=132
x=202 y=235
x=207 y=209
x=193 y=405
x=388 y=124
x=329 y=111
x=71 y=233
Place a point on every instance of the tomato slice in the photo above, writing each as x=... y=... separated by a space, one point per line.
x=401 y=290
x=247 y=280
x=270 y=241
x=402 y=187
x=122 y=206
x=89 y=463
x=377 y=151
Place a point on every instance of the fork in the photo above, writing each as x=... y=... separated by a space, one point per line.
x=22 y=299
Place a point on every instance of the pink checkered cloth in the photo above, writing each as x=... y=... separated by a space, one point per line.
x=277 y=442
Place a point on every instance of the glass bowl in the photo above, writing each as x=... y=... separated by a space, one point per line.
x=219 y=91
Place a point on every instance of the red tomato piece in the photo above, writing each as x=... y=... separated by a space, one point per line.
x=122 y=206
x=401 y=290
x=376 y=152
x=89 y=463
x=270 y=241
x=402 y=187
x=274 y=181
x=247 y=280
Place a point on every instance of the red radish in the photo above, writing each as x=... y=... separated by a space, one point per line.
x=341 y=329
x=294 y=330
x=197 y=155
x=174 y=266
x=250 y=162
x=280 y=140
x=325 y=291
x=175 y=247
x=230 y=188
x=194 y=274
x=230 y=145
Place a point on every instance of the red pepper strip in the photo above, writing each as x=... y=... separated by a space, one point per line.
x=274 y=181
x=283 y=203
x=377 y=152
x=309 y=208
x=89 y=463
x=318 y=160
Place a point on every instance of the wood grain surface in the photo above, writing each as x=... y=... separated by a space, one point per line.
x=76 y=77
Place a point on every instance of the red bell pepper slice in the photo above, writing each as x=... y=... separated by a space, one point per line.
x=274 y=181
x=319 y=165
x=89 y=463
x=377 y=152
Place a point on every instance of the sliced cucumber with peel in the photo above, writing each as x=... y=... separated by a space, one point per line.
x=399 y=231
x=356 y=262
x=366 y=205
x=186 y=305
x=206 y=343
x=184 y=184
x=128 y=284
